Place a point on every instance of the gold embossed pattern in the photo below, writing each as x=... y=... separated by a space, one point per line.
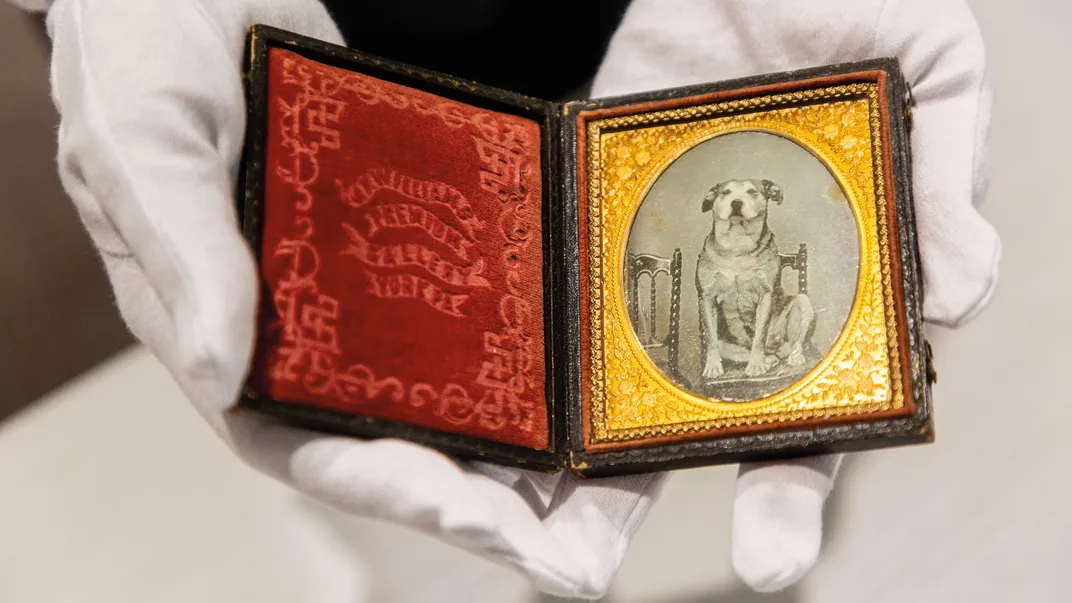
x=630 y=399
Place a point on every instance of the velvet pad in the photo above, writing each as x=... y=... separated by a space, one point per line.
x=401 y=259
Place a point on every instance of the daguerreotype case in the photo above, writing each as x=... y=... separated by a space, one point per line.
x=708 y=274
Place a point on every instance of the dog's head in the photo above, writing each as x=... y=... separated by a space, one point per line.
x=746 y=199
x=740 y=209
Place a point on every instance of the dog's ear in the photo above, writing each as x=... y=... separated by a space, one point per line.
x=709 y=198
x=771 y=191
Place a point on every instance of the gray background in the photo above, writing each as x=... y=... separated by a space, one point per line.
x=57 y=317
x=113 y=490
x=814 y=211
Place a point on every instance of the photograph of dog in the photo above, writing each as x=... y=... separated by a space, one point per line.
x=746 y=319
x=760 y=229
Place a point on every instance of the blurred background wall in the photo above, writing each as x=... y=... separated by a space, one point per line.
x=57 y=317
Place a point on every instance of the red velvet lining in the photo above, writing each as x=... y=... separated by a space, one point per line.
x=401 y=258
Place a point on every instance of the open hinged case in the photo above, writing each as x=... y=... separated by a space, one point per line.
x=708 y=274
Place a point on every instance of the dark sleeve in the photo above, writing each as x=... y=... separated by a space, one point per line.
x=535 y=48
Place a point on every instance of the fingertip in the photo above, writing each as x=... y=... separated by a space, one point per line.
x=776 y=534
x=778 y=519
x=957 y=310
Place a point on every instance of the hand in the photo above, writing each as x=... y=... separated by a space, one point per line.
x=153 y=117
x=777 y=524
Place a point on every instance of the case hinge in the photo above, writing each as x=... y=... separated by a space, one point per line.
x=932 y=375
x=908 y=102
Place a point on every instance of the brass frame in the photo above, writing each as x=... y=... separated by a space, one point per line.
x=630 y=399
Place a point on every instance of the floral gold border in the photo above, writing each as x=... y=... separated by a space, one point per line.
x=629 y=399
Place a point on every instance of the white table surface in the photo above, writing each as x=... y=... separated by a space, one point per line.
x=113 y=491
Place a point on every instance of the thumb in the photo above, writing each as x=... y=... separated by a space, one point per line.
x=941 y=52
x=149 y=140
x=153 y=116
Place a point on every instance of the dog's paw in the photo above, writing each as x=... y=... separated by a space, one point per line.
x=771 y=361
x=713 y=368
x=756 y=367
x=796 y=357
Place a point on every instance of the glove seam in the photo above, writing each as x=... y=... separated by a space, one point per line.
x=878 y=27
x=202 y=12
x=978 y=144
x=503 y=551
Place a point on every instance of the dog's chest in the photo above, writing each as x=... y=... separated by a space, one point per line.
x=737 y=283
x=722 y=276
x=742 y=287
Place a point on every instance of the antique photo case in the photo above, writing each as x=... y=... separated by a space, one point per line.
x=701 y=275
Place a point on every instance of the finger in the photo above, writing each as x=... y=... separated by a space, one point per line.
x=415 y=486
x=777 y=519
x=941 y=52
x=664 y=44
x=938 y=43
x=596 y=520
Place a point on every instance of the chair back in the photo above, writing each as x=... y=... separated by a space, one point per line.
x=645 y=323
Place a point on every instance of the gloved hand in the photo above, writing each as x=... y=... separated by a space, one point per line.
x=153 y=118
x=777 y=523
x=152 y=123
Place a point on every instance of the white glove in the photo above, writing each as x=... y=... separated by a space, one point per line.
x=777 y=523
x=153 y=118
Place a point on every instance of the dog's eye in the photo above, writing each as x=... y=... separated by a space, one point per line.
x=753 y=192
x=725 y=192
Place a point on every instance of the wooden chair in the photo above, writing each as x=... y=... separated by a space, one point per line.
x=645 y=324
x=797 y=261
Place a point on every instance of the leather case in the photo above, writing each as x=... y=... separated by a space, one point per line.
x=708 y=274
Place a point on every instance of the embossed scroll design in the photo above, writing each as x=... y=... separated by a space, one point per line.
x=389 y=275
x=311 y=348
x=629 y=398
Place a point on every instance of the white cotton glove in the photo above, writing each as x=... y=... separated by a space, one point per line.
x=777 y=523
x=153 y=118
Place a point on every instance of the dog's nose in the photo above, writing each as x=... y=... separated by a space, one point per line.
x=736 y=205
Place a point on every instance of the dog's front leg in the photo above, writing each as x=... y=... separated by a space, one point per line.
x=713 y=360
x=756 y=362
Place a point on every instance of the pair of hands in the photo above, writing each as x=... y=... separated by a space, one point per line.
x=153 y=118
